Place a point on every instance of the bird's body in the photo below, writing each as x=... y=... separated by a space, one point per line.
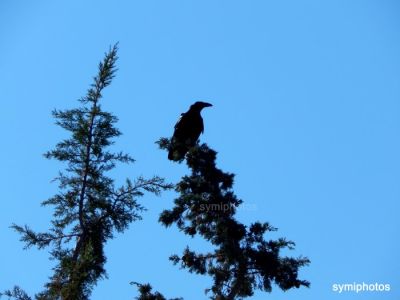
x=187 y=131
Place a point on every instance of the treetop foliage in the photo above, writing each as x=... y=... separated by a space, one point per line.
x=89 y=208
x=242 y=260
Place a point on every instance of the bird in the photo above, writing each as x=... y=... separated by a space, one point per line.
x=187 y=131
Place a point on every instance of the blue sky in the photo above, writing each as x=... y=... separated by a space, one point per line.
x=306 y=110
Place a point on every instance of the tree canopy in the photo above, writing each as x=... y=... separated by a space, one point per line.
x=242 y=260
x=89 y=208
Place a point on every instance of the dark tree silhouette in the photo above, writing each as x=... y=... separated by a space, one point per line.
x=89 y=209
x=146 y=293
x=242 y=260
x=187 y=131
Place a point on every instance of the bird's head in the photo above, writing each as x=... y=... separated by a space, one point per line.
x=199 y=105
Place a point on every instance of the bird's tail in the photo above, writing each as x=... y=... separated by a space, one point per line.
x=177 y=151
x=171 y=154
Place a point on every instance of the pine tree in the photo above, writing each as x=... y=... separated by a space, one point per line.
x=89 y=208
x=146 y=293
x=242 y=260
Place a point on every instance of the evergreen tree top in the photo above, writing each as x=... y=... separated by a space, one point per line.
x=243 y=260
x=89 y=208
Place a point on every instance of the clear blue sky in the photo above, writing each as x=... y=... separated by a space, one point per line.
x=306 y=111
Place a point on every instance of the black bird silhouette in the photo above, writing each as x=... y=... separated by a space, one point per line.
x=187 y=131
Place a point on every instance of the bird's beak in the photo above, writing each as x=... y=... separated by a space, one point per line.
x=207 y=104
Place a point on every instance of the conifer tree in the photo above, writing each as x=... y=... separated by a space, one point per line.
x=89 y=208
x=242 y=260
x=146 y=293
